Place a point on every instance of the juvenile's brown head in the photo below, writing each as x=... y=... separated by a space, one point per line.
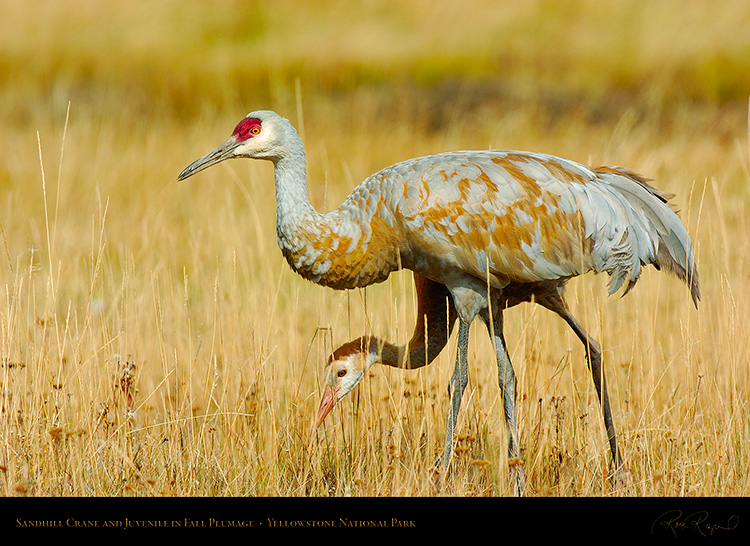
x=345 y=369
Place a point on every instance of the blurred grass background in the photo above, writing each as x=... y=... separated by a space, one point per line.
x=154 y=342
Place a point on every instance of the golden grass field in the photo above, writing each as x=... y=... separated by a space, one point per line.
x=154 y=342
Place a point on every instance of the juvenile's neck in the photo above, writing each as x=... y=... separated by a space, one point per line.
x=399 y=356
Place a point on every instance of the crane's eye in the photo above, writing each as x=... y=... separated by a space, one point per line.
x=246 y=128
x=341 y=373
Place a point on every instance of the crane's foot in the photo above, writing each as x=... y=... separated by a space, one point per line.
x=439 y=474
x=621 y=478
x=440 y=469
x=517 y=477
x=441 y=462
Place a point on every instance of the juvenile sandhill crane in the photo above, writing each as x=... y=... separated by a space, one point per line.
x=347 y=365
x=493 y=227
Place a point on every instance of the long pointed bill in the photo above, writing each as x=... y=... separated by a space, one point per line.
x=225 y=151
x=326 y=405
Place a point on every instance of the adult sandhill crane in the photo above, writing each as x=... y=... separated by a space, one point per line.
x=493 y=227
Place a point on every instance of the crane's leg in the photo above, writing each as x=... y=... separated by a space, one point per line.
x=459 y=380
x=555 y=302
x=507 y=380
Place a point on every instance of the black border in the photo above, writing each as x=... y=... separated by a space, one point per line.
x=658 y=519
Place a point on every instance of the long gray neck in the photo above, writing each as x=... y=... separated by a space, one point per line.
x=293 y=208
x=310 y=240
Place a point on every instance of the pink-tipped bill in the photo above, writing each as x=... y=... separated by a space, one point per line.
x=326 y=405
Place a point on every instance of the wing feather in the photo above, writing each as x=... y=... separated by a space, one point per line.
x=527 y=217
x=501 y=216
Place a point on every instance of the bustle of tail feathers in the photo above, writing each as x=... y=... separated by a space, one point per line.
x=675 y=250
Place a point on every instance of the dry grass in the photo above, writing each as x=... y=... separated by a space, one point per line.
x=153 y=341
